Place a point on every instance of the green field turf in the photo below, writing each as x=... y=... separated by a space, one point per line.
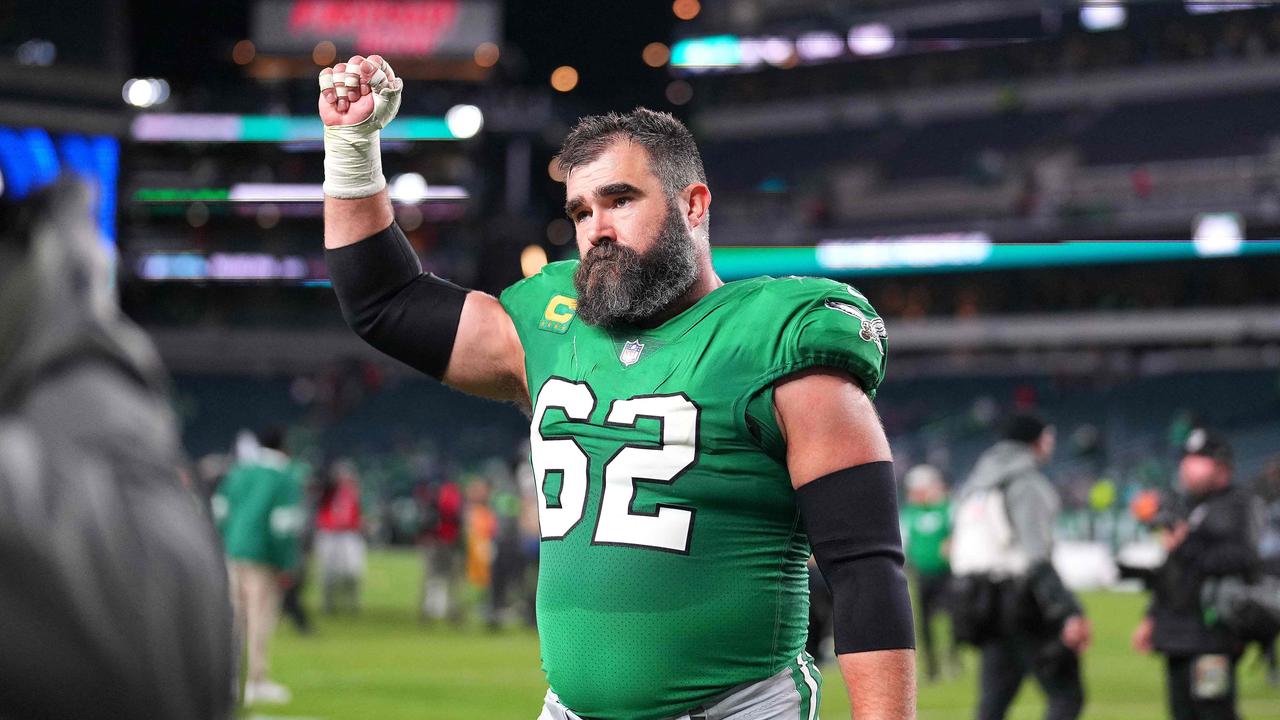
x=384 y=665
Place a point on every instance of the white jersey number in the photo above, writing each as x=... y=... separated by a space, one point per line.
x=669 y=527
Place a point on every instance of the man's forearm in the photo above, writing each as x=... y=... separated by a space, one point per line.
x=881 y=683
x=350 y=221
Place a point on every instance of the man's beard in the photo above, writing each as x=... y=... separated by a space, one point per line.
x=617 y=285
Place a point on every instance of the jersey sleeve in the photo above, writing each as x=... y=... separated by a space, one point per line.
x=819 y=323
x=832 y=325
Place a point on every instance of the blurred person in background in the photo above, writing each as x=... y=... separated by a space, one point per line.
x=340 y=543
x=442 y=550
x=926 y=522
x=767 y=388
x=114 y=598
x=1217 y=538
x=1267 y=488
x=295 y=582
x=505 y=582
x=259 y=514
x=1011 y=602
x=480 y=527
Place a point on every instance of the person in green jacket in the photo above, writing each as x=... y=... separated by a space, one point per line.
x=926 y=524
x=258 y=509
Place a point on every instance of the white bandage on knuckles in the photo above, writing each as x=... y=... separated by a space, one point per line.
x=352 y=157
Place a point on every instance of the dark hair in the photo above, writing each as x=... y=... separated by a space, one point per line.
x=1024 y=428
x=673 y=155
x=272 y=438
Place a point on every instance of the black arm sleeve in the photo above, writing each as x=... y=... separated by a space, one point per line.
x=851 y=517
x=390 y=302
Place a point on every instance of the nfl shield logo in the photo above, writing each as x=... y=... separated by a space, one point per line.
x=631 y=352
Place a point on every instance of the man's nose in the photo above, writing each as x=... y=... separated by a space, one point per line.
x=599 y=229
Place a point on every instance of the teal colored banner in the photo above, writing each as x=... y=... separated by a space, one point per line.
x=861 y=259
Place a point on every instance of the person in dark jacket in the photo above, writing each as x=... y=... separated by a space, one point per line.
x=1216 y=539
x=114 y=601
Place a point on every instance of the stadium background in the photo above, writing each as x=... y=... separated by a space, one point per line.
x=1066 y=207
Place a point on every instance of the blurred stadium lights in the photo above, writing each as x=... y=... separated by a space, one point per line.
x=1102 y=15
x=1218 y=234
x=243 y=52
x=464 y=121
x=554 y=171
x=871 y=40
x=777 y=51
x=679 y=92
x=656 y=54
x=145 y=92
x=718 y=51
x=40 y=53
x=166 y=127
x=686 y=9
x=487 y=54
x=324 y=53
x=227 y=266
x=408 y=187
x=1204 y=7
x=959 y=251
x=564 y=78
x=532 y=259
x=821 y=45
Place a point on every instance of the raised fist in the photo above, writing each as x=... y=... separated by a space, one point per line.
x=357 y=90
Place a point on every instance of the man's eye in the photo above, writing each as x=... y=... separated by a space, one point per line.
x=580 y=217
x=622 y=202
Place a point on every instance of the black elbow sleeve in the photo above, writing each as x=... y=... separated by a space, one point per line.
x=389 y=301
x=851 y=517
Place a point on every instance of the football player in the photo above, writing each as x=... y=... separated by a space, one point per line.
x=692 y=440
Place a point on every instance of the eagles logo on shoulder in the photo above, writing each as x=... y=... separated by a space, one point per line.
x=872 y=330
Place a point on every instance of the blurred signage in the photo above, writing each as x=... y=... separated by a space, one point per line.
x=966 y=251
x=1204 y=7
x=418 y=28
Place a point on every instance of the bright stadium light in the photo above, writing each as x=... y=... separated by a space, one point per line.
x=145 y=92
x=871 y=39
x=819 y=46
x=464 y=121
x=408 y=188
x=776 y=50
x=532 y=259
x=1218 y=234
x=1101 y=16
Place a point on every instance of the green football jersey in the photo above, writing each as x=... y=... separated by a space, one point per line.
x=926 y=529
x=672 y=554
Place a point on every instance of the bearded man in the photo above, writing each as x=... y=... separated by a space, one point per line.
x=692 y=440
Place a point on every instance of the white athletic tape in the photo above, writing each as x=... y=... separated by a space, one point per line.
x=375 y=82
x=326 y=81
x=352 y=157
x=351 y=80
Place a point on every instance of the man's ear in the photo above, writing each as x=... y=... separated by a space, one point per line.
x=697 y=200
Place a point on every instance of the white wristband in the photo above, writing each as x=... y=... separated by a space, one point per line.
x=352 y=162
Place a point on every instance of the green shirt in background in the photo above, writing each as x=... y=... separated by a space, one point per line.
x=258 y=510
x=925 y=530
